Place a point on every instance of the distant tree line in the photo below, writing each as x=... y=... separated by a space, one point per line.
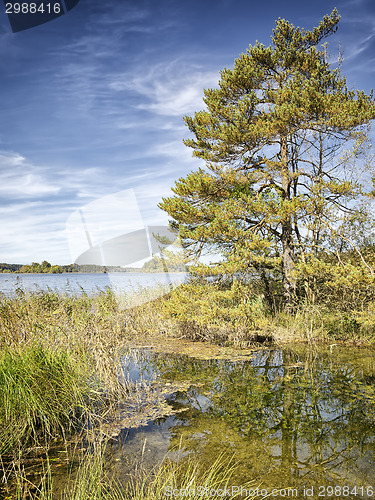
x=46 y=267
x=10 y=268
x=169 y=262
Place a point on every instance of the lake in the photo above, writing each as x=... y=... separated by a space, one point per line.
x=86 y=282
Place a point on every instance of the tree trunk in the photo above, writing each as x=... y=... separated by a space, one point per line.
x=267 y=291
x=288 y=260
x=288 y=265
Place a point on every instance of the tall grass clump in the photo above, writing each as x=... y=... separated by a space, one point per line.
x=88 y=328
x=187 y=479
x=58 y=369
x=338 y=306
x=43 y=392
x=61 y=371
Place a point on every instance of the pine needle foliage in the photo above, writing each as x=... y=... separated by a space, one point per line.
x=284 y=141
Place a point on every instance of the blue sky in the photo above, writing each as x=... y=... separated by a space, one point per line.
x=92 y=103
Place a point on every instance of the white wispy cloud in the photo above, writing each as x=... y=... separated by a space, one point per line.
x=84 y=70
x=359 y=45
x=21 y=179
x=173 y=89
x=31 y=230
x=356 y=35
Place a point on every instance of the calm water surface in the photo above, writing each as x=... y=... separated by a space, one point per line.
x=289 y=417
x=86 y=282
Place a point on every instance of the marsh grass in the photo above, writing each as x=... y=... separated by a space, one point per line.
x=60 y=369
x=56 y=364
x=43 y=392
x=187 y=478
x=319 y=324
x=62 y=372
x=238 y=314
x=25 y=487
x=93 y=481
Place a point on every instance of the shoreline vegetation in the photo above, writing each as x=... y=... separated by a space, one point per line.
x=61 y=381
x=60 y=377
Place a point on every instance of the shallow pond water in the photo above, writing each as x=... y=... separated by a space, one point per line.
x=291 y=417
x=294 y=417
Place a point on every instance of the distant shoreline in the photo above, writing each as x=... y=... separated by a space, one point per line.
x=133 y=271
x=46 y=268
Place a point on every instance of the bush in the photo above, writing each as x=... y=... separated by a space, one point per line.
x=337 y=286
x=206 y=310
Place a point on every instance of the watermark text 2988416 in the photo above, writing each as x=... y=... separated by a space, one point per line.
x=33 y=8
x=25 y=14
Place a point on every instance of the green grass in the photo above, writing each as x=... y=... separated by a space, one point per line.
x=189 y=479
x=238 y=314
x=56 y=365
x=43 y=392
x=92 y=481
x=59 y=370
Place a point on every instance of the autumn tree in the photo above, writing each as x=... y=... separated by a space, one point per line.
x=282 y=139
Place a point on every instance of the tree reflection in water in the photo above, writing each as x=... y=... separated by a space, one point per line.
x=289 y=417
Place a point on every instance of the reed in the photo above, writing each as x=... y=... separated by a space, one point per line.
x=60 y=369
x=188 y=478
x=43 y=392
x=57 y=364
x=93 y=481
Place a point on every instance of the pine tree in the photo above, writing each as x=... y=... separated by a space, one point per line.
x=280 y=138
